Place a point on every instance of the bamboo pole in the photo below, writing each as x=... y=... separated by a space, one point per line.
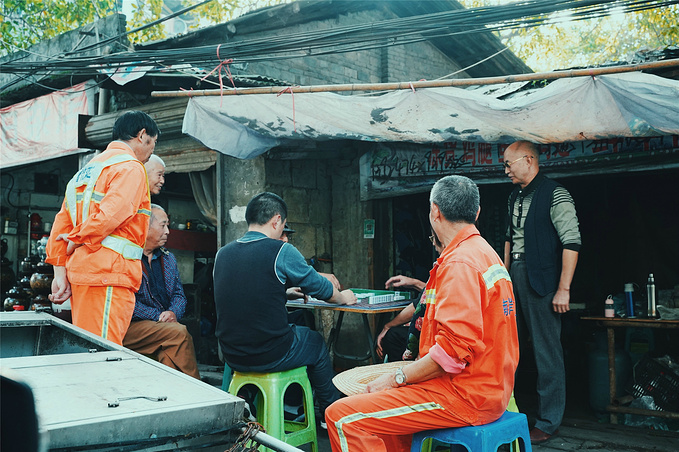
x=424 y=83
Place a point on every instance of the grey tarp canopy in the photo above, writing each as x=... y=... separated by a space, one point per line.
x=567 y=110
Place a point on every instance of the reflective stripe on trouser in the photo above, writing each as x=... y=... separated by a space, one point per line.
x=385 y=421
x=169 y=342
x=103 y=310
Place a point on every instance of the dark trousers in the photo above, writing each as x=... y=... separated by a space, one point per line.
x=308 y=349
x=394 y=343
x=537 y=319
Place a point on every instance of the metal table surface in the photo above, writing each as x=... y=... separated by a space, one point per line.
x=91 y=393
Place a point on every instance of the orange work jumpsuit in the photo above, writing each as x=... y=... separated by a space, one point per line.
x=107 y=211
x=470 y=315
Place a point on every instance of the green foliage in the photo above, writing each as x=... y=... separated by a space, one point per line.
x=26 y=22
x=596 y=41
x=564 y=44
x=142 y=13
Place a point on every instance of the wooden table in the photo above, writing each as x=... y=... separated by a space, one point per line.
x=610 y=324
x=366 y=310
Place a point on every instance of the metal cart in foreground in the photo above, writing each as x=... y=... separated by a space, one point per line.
x=91 y=394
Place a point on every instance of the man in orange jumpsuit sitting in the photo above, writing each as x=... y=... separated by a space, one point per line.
x=468 y=344
x=98 y=235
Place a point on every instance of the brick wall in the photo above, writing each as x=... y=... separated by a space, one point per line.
x=404 y=63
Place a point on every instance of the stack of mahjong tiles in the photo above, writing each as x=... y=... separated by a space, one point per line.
x=379 y=296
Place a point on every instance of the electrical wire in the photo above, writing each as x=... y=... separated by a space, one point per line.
x=352 y=38
x=459 y=71
x=9 y=189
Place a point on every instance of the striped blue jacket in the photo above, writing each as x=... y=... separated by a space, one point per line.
x=146 y=307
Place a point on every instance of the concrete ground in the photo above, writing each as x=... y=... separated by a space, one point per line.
x=581 y=430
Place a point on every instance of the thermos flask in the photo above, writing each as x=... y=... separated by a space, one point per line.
x=650 y=292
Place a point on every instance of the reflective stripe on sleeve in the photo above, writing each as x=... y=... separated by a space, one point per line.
x=494 y=274
x=97 y=197
x=430 y=296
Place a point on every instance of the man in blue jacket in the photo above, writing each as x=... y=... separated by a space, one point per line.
x=160 y=303
x=250 y=277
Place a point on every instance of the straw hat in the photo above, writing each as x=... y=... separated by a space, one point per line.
x=354 y=381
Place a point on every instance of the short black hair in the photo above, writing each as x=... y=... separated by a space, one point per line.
x=130 y=123
x=264 y=207
x=457 y=197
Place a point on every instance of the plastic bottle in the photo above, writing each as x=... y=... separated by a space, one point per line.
x=650 y=292
x=609 y=307
x=629 y=299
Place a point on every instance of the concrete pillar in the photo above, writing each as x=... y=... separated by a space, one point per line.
x=237 y=182
x=352 y=254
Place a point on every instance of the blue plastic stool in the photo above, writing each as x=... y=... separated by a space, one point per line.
x=481 y=438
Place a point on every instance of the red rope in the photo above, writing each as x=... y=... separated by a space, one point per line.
x=223 y=64
x=292 y=93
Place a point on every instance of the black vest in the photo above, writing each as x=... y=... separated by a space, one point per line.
x=252 y=321
x=542 y=244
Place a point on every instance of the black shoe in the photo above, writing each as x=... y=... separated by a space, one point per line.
x=537 y=436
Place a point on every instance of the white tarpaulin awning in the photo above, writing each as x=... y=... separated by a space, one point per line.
x=567 y=110
x=43 y=128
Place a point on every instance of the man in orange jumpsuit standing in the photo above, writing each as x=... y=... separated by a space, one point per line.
x=98 y=236
x=468 y=344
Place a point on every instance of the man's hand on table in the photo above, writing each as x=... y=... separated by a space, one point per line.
x=348 y=297
x=167 y=316
x=295 y=293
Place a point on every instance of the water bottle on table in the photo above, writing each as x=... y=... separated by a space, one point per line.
x=629 y=299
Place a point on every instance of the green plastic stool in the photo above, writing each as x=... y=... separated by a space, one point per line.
x=226 y=378
x=270 y=404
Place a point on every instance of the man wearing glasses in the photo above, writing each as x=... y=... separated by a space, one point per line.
x=542 y=245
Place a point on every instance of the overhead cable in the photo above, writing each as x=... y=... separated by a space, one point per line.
x=350 y=38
